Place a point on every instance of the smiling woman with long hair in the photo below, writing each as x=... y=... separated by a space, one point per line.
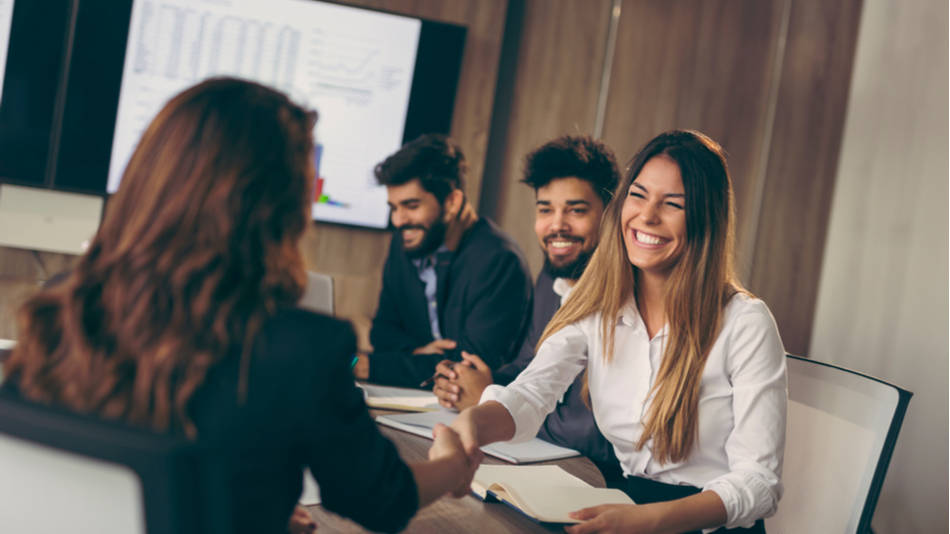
x=180 y=319
x=684 y=369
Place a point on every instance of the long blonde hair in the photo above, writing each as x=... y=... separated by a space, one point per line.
x=700 y=285
x=197 y=249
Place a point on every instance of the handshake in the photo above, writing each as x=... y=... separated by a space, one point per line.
x=456 y=458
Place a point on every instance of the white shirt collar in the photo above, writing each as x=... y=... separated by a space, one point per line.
x=630 y=316
x=562 y=288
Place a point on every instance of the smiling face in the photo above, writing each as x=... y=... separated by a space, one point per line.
x=653 y=217
x=567 y=223
x=417 y=217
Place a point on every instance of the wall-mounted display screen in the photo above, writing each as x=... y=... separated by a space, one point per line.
x=376 y=79
x=32 y=42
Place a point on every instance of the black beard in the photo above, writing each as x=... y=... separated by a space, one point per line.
x=572 y=270
x=433 y=238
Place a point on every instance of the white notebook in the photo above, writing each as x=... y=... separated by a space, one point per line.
x=544 y=493
x=402 y=399
x=534 y=450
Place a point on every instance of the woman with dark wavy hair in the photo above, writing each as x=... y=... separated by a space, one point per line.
x=684 y=369
x=180 y=318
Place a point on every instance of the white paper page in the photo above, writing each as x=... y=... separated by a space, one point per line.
x=393 y=396
x=533 y=450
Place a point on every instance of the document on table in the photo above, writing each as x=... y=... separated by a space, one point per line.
x=533 y=450
x=402 y=399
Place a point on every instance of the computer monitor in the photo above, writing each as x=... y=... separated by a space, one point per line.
x=377 y=80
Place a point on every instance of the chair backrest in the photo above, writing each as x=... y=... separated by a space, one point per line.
x=67 y=473
x=318 y=296
x=841 y=430
x=6 y=347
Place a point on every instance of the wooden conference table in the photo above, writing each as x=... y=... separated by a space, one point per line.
x=467 y=515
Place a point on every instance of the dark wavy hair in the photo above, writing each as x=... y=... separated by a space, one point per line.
x=434 y=159
x=197 y=249
x=580 y=156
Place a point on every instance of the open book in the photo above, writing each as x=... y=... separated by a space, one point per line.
x=534 y=450
x=544 y=493
x=403 y=399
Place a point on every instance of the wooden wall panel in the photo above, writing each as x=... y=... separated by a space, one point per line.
x=803 y=161
x=699 y=64
x=22 y=272
x=559 y=64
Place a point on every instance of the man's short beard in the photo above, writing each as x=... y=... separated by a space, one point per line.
x=433 y=238
x=572 y=270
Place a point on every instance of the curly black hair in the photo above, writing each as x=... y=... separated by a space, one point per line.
x=580 y=156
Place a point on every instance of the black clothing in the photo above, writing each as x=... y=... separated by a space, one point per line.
x=483 y=297
x=302 y=409
x=646 y=491
x=571 y=424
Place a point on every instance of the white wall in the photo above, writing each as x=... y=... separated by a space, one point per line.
x=883 y=296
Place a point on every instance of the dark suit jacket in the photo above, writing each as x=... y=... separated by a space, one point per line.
x=571 y=424
x=302 y=409
x=483 y=296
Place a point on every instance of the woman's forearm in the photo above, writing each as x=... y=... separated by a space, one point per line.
x=435 y=478
x=703 y=510
x=483 y=424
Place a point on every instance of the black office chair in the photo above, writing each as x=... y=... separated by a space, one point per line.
x=67 y=473
x=841 y=430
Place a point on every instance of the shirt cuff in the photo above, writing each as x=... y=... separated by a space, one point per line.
x=527 y=422
x=747 y=497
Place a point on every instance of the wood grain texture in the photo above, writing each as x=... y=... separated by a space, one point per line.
x=697 y=64
x=559 y=65
x=22 y=272
x=802 y=163
x=467 y=515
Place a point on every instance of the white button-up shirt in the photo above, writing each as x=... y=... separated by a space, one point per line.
x=741 y=431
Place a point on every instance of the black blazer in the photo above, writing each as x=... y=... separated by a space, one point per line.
x=302 y=410
x=484 y=301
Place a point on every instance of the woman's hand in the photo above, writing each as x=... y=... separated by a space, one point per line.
x=614 y=519
x=301 y=522
x=467 y=430
x=446 y=445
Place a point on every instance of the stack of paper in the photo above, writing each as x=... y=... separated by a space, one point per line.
x=534 y=450
x=403 y=399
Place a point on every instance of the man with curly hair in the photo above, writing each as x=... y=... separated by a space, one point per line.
x=453 y=281
x=573 y=178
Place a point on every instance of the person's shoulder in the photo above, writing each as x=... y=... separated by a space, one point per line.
x=293 y=317
x=747 y=307
x=294 y=327
x=748 y=317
